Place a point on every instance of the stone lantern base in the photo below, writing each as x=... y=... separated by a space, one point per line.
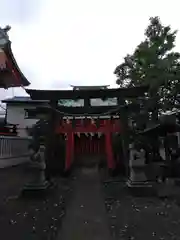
x=36 y=186
x=138 y=182
x=38 y=182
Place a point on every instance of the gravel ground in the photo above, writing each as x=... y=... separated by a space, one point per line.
x=24 y=218
x=135 y=218
x=130 y=217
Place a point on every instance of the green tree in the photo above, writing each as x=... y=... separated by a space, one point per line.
x=154 y=63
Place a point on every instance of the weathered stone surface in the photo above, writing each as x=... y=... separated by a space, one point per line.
x=86 y=216
x=137 y=177
x=38 y=180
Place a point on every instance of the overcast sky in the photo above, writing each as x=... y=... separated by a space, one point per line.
x=61 y=42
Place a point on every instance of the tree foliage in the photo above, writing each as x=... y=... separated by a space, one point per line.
x=154 y=63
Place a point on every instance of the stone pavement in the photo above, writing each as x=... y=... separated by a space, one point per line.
x=86 y=217
x=30 y=218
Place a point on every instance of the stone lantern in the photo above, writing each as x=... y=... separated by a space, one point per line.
x=137 y=166
x=37 y=169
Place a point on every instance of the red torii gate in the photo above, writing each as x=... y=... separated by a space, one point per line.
x=107 y=127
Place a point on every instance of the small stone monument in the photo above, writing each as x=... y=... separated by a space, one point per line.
x=137 y=176
x=38 y=166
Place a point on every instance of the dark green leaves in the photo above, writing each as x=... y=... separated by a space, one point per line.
x=154 y=63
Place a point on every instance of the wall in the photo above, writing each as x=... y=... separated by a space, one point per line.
x=16 y=115
x=13 y=151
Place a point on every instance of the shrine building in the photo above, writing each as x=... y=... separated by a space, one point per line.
x=10 y=73
x=10 y=76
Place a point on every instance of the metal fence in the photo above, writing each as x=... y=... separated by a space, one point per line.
x=13 y=147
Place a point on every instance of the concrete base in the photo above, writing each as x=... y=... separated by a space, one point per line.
x=34 y=186
x=139 y=188
x=36 y=190
x=135 y=184
x=13 y=161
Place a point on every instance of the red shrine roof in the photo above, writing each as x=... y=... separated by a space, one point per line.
x=10 y=73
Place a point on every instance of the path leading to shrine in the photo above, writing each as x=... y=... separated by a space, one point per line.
x=86 y=217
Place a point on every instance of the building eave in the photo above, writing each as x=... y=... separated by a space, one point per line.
x=11 y=75
x=25 y=101
x=82 y=94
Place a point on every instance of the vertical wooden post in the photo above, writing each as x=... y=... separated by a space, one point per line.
x=108 y=146
x=69 y=150
x=73 y=147
x=49 y=142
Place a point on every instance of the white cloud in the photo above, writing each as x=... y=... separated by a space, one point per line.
x=81 y=42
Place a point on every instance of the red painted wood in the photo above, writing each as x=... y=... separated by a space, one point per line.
x=7 y=134
x=85 y=145
x=72 y=148
x=109 y=151
x=86 y=150
x=113 y=126
x=78 y=146
x=82 y=129
x=67 y=162
x=69 y=150
x=90 y=145
x=14 y=72
x=108 y=147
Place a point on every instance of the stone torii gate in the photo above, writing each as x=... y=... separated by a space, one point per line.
x=56 y=114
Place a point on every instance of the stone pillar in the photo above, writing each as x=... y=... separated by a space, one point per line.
x=137 y=175
x=87 y=102
x=124 y=134
x=49 y=141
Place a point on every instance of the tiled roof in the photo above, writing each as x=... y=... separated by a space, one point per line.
x=21 y=99
x=89 y=87
x=66 y=103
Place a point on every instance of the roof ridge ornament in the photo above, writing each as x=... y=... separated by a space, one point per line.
x=4 y=37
